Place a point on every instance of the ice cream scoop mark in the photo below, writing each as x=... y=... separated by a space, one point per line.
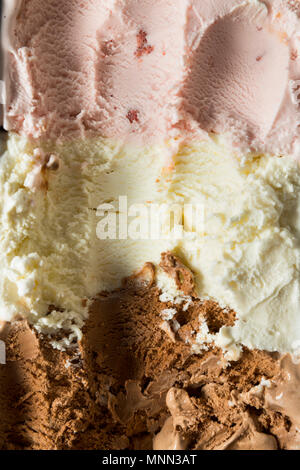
x=142 y=44
x=132 y=116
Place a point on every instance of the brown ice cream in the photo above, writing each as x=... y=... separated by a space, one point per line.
x=128 y=385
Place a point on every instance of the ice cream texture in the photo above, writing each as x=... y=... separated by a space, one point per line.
x=189 y=339
x=155 y=68
x=128 y=384
x=245 y=254
x=186 y=102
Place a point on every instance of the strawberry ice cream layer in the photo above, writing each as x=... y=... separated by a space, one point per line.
x=154 y=69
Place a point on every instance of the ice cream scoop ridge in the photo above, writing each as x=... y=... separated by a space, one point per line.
x=154 y=69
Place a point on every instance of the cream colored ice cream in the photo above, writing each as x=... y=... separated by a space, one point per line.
x=246 y=254
x=51 y=254
x=165 y=103
x=245 y=251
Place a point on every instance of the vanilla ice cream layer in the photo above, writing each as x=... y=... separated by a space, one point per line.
x=51 y=255
x=245 y=252
x=243 y=245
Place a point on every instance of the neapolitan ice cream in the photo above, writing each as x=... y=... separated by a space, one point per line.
x=150 y=217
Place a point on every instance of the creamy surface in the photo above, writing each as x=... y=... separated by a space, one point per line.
x=155 y=69
x=183 y=415
x=244 y=252
x=162 y=102
x=51 y=253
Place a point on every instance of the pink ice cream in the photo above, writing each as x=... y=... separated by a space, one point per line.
x=111 y=67
x=156 y=69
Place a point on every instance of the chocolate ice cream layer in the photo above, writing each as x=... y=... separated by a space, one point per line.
x=130 y=384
